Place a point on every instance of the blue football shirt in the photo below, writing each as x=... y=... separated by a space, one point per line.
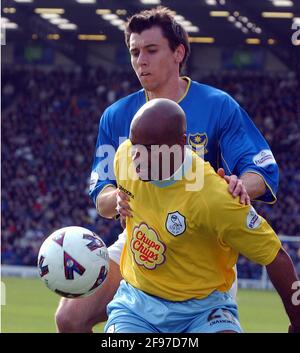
x=216 y=126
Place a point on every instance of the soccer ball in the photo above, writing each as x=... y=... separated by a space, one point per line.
x=73 y=262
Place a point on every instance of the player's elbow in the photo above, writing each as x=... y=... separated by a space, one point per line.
x=103 y=210
x=282 y=264
x=106 y=203
x=281 y=258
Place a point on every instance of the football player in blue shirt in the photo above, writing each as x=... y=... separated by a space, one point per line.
x=217 y=128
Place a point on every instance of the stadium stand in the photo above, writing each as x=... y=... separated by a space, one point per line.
x=49 y=131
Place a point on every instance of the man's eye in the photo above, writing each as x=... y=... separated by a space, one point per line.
x=135 y=54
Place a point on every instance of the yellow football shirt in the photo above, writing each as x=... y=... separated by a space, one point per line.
x=183 y=243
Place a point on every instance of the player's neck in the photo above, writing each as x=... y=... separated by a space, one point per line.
x=174 y=89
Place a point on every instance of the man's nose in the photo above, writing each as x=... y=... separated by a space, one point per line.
x=142 y=60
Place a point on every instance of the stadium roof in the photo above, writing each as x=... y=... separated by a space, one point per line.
x=227 y=21
x=220 y=22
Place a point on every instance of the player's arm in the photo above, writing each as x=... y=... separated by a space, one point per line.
x=242 y=229
x=109 y=200
x=248 y=187
x=112 y=201
x=282 y=274
x=246 y=156
x=262 y=247
x=103 y=184
x=106 y=202
x=254 y=185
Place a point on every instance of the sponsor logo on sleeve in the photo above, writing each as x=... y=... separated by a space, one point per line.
x=264 y=158
x=253 y=219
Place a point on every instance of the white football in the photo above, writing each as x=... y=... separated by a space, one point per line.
x=73 y=262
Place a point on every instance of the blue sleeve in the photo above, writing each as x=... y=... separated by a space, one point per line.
x=244 y=149
x=103 y=164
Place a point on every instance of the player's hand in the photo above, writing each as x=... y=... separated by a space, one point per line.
x=235 y=187
x=123 y=208
x=123 y=222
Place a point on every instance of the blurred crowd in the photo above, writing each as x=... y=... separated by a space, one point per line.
x=49 y=129
x=48 y=140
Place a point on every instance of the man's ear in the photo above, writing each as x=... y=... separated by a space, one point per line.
x=179 y=53
x=183 y=139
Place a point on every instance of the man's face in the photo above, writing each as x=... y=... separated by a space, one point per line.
x=154 y=154
x=152 y=59
x=141 y=157
x=156 y=162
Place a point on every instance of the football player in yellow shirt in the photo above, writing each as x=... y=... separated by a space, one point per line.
x=184 y=235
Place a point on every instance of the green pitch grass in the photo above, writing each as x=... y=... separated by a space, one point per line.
x=30 y=307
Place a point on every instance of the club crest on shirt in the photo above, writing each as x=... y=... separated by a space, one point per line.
x=147 y=249
x=175 y=223
x=198 y=142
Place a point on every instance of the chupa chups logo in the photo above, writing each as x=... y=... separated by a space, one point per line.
x=147 y=249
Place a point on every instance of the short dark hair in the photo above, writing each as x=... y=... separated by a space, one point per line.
x=161 y=17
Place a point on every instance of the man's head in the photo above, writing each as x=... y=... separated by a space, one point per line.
x=157 y=134
x=158 y=45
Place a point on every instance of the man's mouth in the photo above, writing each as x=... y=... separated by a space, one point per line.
x=143 y=74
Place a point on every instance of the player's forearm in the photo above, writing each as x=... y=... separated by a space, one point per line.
x=254 y=185
x=107 y=202
x=282 y=274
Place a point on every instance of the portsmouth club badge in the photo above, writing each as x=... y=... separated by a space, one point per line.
x=175 y=223
x=198 y=142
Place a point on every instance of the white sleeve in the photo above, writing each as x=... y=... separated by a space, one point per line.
x=115 y=250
